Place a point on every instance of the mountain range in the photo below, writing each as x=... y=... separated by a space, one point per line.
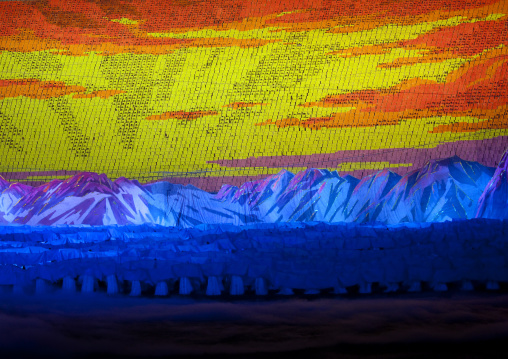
x=444 y=189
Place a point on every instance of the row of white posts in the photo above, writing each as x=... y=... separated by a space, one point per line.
x=215 y=287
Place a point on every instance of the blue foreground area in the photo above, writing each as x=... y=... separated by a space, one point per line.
x=213 y=259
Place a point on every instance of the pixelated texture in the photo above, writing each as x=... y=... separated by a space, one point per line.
x=221 y=92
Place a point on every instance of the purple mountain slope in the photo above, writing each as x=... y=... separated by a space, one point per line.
x=256 y=197
x=310 y=195
x=329 y=199
x=301 y=197
x=86 y=198
x=493 y=203
x=369 y=190
x=188 y=206
x=89 y=198
x=10 y=195
x=3 y=184
x=441 y=190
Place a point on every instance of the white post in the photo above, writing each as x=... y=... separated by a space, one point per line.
x=285 y=291
x=440 y=287
x=88 y=285
x=161 y=289
x=492 y=285
x=213 y=287
x=365 y=288
x=135 y=289
x=185 y=286
x=69 y=285
x=415 y=287
x=391 y=287
x=339 y=289
x=261 y=287
x=112 y=284
x=236 y=286
x=312 y=292
x=467 y=285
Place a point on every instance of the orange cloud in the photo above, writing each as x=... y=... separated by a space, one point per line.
x=497 y=124
x=356 y=16
x=443 y=43
x=26 y=41
x=36 y=89
x=42 y=90
x=477 y=89
x=498 y=121
x=182 y=115
x=464 y=40
x=80 y=26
